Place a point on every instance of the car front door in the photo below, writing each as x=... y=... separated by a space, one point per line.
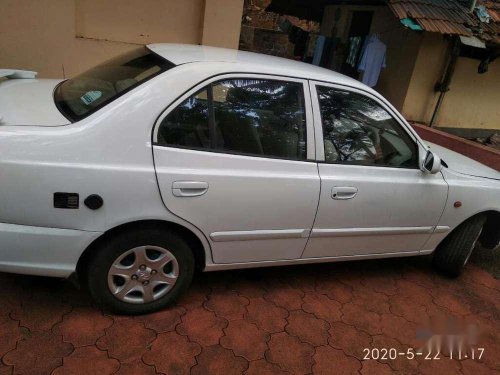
x=235 y=157
x=374 y=198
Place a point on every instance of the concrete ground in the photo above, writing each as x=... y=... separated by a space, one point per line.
x=303 y=319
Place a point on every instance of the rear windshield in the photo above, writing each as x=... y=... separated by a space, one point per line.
x=84 y=94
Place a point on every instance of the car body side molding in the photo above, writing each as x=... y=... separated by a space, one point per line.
x=247 y=235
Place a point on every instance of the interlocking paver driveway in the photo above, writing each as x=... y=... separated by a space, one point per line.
x=304 y=319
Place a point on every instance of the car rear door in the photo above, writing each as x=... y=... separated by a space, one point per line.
x=374 y=198
x=235 y=157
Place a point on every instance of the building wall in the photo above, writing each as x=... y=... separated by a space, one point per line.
x=402 y=46
x=402 y=50
x=429 y=67
x=471 y=103
x=474 y=99
x=61 y=38
x=222 y=22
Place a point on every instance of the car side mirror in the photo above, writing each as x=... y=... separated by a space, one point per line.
x=432 y=163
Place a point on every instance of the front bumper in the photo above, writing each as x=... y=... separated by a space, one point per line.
x=42 y=251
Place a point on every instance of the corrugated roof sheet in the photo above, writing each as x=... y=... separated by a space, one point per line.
x=450 y=17
x=491 y=30
x=442 y=16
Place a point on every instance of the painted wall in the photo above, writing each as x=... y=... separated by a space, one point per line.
x=402 y=46
x=402 y=49
x=61 y=38
x=473 y=99
x=222 y=23
x=429 y=67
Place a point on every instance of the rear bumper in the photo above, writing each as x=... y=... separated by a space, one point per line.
x=42 y=251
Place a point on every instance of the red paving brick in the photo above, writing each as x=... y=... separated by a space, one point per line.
x=333 y=361
x=10 y=334
x=126 y=340
x=202 y=326
x=218 y=360
x=164 y=320
x=172 y=353
x=40 y=314
x=266 y=315
x=228 y=305
x=290 y=353
x=245 y=339
x=284 y=296
x=300 y=320
x=374 y=367
x=38 y=353
x=83 y=326
x=348 y=338
x=262 y=367
x=5 y=370
x=87 y=360
x=137 y=367
x=307 y=328
x=322 y=307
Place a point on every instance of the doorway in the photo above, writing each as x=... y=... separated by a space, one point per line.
x=361 y=22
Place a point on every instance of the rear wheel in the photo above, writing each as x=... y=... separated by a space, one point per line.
x=454 y=252
x=140 y=272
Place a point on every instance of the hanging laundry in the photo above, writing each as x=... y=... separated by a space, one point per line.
x=318 y=49
x=354 y=44
x=372 y=60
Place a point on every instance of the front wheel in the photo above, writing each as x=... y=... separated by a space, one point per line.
x=140 y=272
x=453 y=253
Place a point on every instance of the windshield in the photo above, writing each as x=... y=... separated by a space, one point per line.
x=84 y=94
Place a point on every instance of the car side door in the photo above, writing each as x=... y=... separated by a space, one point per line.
x=235 y=156
x=374 y=199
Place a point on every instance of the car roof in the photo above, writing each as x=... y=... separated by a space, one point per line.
x=180 y=54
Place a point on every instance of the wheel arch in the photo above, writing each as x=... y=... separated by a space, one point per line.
x=491 y=229
x=490 y=237
x=191 y=238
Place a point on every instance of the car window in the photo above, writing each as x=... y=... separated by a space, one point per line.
x=357 y=130
x=244 y=116
x=260 y=117
x=187 y=124
x=82 y=95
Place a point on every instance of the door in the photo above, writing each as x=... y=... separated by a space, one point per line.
x=374 y=198
x=235 y=157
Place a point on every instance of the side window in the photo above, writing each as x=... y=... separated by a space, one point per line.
x=244 y=116
x=357 y=130
x=260 y=117
x=187 y=125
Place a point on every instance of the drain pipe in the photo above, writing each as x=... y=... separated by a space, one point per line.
x=444 y=86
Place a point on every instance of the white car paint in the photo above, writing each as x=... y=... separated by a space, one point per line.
x=29 y=102
x=462 y=164
x=255 y=211
x=17 y=73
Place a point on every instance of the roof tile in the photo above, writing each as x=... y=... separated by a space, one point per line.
x=450 y=17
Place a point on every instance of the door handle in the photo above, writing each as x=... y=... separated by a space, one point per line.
x=344 y=192
x=189 y=188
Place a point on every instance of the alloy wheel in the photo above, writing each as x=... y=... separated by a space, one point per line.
x=143 y=274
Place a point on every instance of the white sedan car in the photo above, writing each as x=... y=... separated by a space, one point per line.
x=172 y=157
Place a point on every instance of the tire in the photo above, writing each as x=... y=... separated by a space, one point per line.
x=140 y=272
x=453 y=253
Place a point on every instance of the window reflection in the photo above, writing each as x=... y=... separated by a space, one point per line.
x=256 y=117
x=187 y=125
x=261 y=117
x=357 y=130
